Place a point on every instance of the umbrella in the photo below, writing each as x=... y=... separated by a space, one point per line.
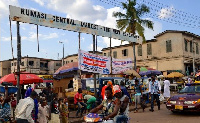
x=174 y=74
x=25 y=78
x=129 y=72
x=142 y=69
x=150 y=73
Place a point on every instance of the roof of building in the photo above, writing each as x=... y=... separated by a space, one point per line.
x=177 y=31
x=77 y=54
x=126 y=45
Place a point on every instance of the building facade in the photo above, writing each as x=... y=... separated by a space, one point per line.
x=74 y=57
x=5 y=68
x=171 y=50
x=36 y=65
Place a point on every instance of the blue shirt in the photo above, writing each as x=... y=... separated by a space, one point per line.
x=154 y=88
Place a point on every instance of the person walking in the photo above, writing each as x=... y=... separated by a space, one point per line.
x=154 y=90
x=24 y=109
x=42 y=112
x=124 y=90
x=138 y=94
x=166 y=93
x=5 y=113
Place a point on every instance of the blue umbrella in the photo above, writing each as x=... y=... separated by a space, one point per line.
x=150 y=73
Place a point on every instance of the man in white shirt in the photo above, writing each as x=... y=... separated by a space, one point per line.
x=24 y=109
x=154 y=91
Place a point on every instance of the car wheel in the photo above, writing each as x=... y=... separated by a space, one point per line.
x=173 y=111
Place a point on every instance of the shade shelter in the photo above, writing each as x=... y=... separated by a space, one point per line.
x=25 y=78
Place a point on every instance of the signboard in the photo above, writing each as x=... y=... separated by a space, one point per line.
x=93 y=63
x=43 y=19
x=121 y=65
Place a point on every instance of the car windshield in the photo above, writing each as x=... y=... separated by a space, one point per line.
x=191 y=89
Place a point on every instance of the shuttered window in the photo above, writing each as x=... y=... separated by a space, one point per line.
x=149 y=49
x=168 y=46
x=140 y=50
x=115 y=54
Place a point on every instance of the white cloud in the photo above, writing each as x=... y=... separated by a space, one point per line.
x=166 y=12
x=149 y=33
x=4 y=6
x=90 y=47
x=39 y=2
x=32 y=36
x=82 y=10
x=8 y=38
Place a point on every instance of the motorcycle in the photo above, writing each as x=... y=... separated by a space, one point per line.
x=96 y=118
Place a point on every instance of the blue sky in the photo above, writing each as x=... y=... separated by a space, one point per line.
x=164 y=14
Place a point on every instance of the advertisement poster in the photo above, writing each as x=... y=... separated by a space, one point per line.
x=121 y=65
x=93 y=63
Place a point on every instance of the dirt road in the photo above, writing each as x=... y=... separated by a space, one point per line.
x=163 y=116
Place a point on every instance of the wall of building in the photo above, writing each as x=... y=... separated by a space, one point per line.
x=62 y=84
x=5 y=68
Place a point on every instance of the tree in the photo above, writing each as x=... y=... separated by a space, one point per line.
x=131 y=21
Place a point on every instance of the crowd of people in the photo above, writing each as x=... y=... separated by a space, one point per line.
x=46 y=107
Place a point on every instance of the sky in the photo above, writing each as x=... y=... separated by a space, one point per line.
x=165 y=14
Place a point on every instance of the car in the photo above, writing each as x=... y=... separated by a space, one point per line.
x=187 y=99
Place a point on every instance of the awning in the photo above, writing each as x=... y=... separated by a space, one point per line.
x=67 y=68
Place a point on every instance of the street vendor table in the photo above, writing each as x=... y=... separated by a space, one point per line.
x=174 y=86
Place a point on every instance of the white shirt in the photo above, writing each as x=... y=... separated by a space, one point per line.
x=87 y=97
x=153 y=89
x=24 y=109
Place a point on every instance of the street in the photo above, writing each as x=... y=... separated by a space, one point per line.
x=163 y=116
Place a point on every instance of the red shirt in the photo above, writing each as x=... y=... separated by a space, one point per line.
x=78 y=96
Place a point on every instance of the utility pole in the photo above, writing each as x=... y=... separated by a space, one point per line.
x=193 y=59
x=110 y=57
x=95 y=89
x=63 y=52
x=18 y=62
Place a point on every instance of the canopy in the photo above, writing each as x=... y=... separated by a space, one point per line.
x=150 y=73
x=143 y=69
x=25 y=78
x=129 y=72
x=174 y=74
x=67 y=68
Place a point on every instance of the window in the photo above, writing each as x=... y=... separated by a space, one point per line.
x=41 y=64
x=186 y=45
x=58 y=64
x=149 y=50
x=191 y=46
x=197 y=48
x=12 y=64
x=104 y=54
x=125 y=52
x=115 y=54
x=140 y=50
x=108 y=54
x=31 y=63
x=22 y=64
x=168 y=46
x=15 y=64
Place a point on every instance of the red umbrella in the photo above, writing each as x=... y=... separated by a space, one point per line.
x=25 y=78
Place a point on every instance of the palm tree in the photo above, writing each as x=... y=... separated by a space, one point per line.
x=131 y=21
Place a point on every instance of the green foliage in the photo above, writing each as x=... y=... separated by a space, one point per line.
x=131 y=20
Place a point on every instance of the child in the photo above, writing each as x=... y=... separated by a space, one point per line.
x=42 y=112
x=64 y=110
